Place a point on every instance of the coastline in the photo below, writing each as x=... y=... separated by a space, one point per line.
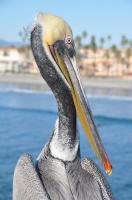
x=95 y=86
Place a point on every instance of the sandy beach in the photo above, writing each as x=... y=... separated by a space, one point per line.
x=93 y=85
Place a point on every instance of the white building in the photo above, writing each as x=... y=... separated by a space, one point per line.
x=10 y=59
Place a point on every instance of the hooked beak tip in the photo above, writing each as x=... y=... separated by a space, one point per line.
x=108 y=168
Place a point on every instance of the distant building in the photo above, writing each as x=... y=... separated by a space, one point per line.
x=9 y=59
x=17 y=60
x=104 y=63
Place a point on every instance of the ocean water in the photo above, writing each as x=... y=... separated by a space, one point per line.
x=27 y=120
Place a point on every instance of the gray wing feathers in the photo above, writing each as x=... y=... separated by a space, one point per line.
x=82 y=184
x=93 y=169
x=54 y=177
x=68 y=180
x=26 y=182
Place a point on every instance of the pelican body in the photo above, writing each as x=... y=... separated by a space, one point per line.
x=58 y=173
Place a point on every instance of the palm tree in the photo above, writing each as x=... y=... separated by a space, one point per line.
x=25 y=37
x=128 y=55
x=102 y=42
x=109 y=37
x=93 y=44
x=124 y=41
x=107 y=56
x=78 y=44
x=84 y=34
x=84 y=37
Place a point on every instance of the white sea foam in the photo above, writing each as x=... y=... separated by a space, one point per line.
x=21 y=90
x=107 y=97
x=104 y=106
x=89 y=96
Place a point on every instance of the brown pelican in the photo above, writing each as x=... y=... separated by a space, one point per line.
x=59 y=174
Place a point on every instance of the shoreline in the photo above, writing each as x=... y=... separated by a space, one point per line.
x=96 y=86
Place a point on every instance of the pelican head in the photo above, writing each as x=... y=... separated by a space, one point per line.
x=53 y=48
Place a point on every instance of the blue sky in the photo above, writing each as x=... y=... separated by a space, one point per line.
x=98 y=17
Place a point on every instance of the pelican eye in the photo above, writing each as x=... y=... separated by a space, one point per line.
x=69 y=43
x=68 y=40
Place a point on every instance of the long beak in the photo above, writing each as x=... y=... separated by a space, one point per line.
x=69 y=69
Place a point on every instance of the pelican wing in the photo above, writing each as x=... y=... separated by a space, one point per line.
x=72 y=180
x=91 y=167
x=83 y=185
x=26 y=182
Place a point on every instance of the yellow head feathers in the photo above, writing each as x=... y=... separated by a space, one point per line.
x=54 y=28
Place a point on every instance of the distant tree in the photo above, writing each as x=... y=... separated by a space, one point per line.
x=84 y=37
x=109 y=37
x=128 y=55
x=102 y=42
x=116 y=53
x=124 y=41
x=107 y=56
x=128 y=52
x=93 y=44
x=24 y=34
x=84 y=34
x=130 y=44
x=78 y=44
x=113 y=48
